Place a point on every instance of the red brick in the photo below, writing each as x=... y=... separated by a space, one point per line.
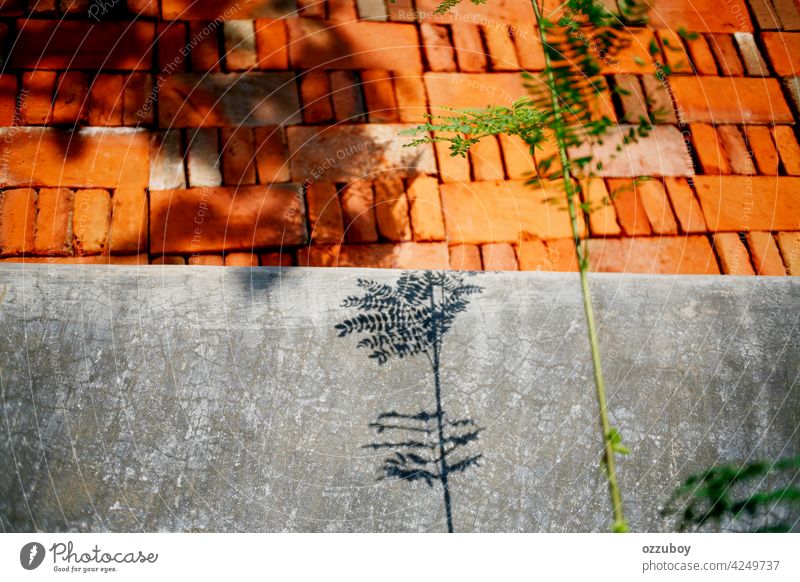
x=702 y=57
x=315 y=92
x=311 y=8
x=171 y=41
x=347 y=104
x=36 y=100
x=225 y=9
x=17 y=216
x=91 y=221
x=53 y=222
x=342 y=10
x=732 y=253
x=106 y=100
x=766 y=256
x=8 y=99
x=272 y=156
x=203 y=46
x=241 y=260
x=727 y=55
x=602 y=217
x=465 y=258
x=128 y=221
x=730 y=100
x=206 y=261
x=487 y=163
x=386 y=256
x=742 y=203
x=391 y=209
x=411 y=100
x=782 y=49
x=324 y=213
x=379 y=96
x=492 y=212
x=425 y=209
x=401 y=11
x=502 y=53
x=85 y=260
x=708 y=149
x=470 y=53
x=517 y=157
x=230 y=219
x=789 y=244
x=736 y=148
x=238 y=156
x=673 y=53
x=272 y=44
x=137 y=107
x=499 y=257
x=706 y=16
x=89 y=157
x=278 y=259
x=358 y=205
x=353 y=45
x=631 y=213
x=143 y=7
x=71 y=99
x=75 y=44
x=684 y=203
x=691 y=255
x=168 y=260
x=438 y=51
x=789 y=150
x=759 y=140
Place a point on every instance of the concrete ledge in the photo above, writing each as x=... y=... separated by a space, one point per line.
x=222 y=399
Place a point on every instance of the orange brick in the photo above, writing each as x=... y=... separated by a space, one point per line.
x=342 y=10
x=379 y=96
x=533 y=255
x=106 y=100
x=358 y=205
x=71 y=103
x=17 y=216
x=411 y=100
x=702 y=57
x=673 y=52
x=279 y=259
x=315 y=93
x=730 y=99
x=272 y=44
x=346 y=96
x=736 y=148
x=499 y=257
x=204 y=46
x=691 y=255
x=241 y=260
x=451 y=168
x=206 y=260
x=324 y=213
x=465 y=258
x=36 y=99
x=391 y=209
x=272 y=157
x=406 y=255
x=425 y=209
x=311 y=8
x=783 y=48
x=529 y=47
x=517 y=157
x=238 y=156
x=727 y=55
x=168 y=260
x=684 y=203
x=438 y=50
x=789 y=244
x=91 y=221
x=709 y=150
x=759 y=141
x=561 y=256
x=138 y=100
x=732 y=253
x=53 y=222
x=766 y=256
x=656 y=205
x=487 y=163
x=631 y=214
x=469 y=49
x=602 y=217
x=8 y=99
x=128 y=221
x=787 y=147
x=502 y=53
x=742 y=203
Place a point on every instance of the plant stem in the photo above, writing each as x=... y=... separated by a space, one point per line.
x=582 y=254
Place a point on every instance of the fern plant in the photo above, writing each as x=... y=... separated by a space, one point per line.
x=402 y=321
x=564 y=110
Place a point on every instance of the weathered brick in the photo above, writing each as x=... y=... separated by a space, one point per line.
x=561 y=256
x=789 y=244
x=766 y=256
x=168 y=260
x=346 y=96
x=76 y=44
x=206 y=261
x=315 y=91
x=754 y=63
x=656 y=205
x=166 y=161
x=372 y=10
x=690 y=255
x=789 y=13
x=759 y=141
x=88 y=157
x=228 y=100
x=54 y=222
x=211 y=220
x=387 y=256
x=272 y=156
x=324 y=213
x=277 y=259
x=470 y=54
x=726 y=54
x=486 y=160
x=36 y=99
x=401 y=11
x=379 y=96
x=225 y=9
x=659 y=100
x=742 y=203
x=17 y=221
x=707 y=16
x=358 y=210
x=602 y=217
x=499 y=257
x=765 y=15
x=91 y=221
x=673 y=52
x=391 y=209
x=353 y=45
x=425 y=209
x=732 y=253
x=345 y=153
x=684 y=203
x=730 y=100
x=272 y=43
x=411 y=100
x=311 y=8
x=238 y=156
x=502 y=53
x=736 y=148
x=438 y=51
x=533 y=256
x=106 y=100
x=782 y=50
x=128 y=221
x=465 y=258
x=492 y=212
x=631 y=97
x=708 y=149
x=631 y=212
x=240 y=44
x=241 y=260
x=702 y=57
x=72 y=92
x=203 y=157
x=789 y=150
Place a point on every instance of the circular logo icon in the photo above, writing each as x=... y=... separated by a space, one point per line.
x=31 y=555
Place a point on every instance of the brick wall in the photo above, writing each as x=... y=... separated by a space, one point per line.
x=266 y=132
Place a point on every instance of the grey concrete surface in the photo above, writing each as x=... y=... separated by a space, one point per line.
x=222 y=399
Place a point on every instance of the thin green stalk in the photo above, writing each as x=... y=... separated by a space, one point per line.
x=582 y=254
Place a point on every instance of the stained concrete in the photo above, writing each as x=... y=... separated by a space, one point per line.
x=211 y=399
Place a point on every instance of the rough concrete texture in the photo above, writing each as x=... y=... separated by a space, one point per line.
x=212 y=399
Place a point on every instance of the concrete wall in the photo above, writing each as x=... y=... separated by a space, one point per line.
x=211 y=399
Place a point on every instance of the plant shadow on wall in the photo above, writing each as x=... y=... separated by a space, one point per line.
x=406 y=320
